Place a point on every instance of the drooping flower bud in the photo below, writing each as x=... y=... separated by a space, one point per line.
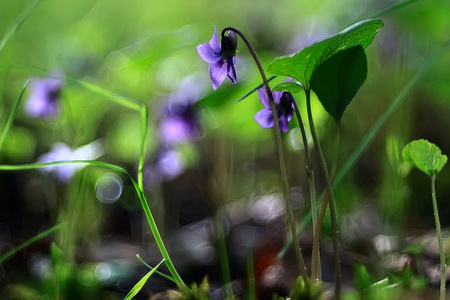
x=229 y=45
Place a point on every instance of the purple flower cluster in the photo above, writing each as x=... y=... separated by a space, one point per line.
x=178 y=126
x=44 y=97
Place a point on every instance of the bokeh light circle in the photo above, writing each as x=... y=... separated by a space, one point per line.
x=109 y=188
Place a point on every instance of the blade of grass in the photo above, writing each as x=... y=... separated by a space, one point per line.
x=133 y=292
x=256 y=88
x=373 y=132
x=25 y=244
x=12 y=114
x=140 y=192
x=17 y=23
x=156 y=271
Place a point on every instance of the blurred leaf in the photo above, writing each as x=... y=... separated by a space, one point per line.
x=288 y=87
x=424 y=156
x=19 y=144
x=362 y=278
x=133 y=292
x=301 y=65
x=337 y=80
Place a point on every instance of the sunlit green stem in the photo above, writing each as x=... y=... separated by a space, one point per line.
x=439 y=236
x=315 y=256
x=332 y=201
x=144 y=129
x=280 y=152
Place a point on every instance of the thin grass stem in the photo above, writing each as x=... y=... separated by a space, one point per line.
x=17 y=23
x=12 y=114
x=25 y=244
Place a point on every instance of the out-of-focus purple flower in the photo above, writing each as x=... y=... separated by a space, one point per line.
x=62 y=152
x=44 y=97
x=221 y=57
x=170 y=164
x=284 y=106
x=179 y=125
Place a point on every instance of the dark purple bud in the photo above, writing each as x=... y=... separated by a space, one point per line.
x=229 y=45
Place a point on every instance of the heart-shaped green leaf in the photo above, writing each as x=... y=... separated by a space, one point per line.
x=337 y=80
x=302 y=64
x=425 y=156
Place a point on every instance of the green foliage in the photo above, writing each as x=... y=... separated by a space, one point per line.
x=194 y=292
x=301 y=290
x=133 y=292
x=337 y=80
x=425 y=156
x=301 y=65
x=369 y=289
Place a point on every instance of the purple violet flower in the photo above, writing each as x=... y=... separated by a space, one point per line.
x=170 y=164
x=44 y=97
x=62 y=152
x=221 y=57
x=284 y=106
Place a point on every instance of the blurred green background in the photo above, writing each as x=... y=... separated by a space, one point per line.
x=145 y=50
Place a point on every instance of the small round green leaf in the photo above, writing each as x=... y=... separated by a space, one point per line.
x=425 y=156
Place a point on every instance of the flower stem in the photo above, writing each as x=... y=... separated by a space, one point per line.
x=323 y=207
x=280 y=152
x=332 y=201
x=315 y=257
x=439 y=236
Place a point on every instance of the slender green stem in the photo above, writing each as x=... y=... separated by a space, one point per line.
x=315 y=256
x=332 y=201
x=439 y=236
x=144 y=130
x=323 y=207
x=280 y=152
x=156 y=271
